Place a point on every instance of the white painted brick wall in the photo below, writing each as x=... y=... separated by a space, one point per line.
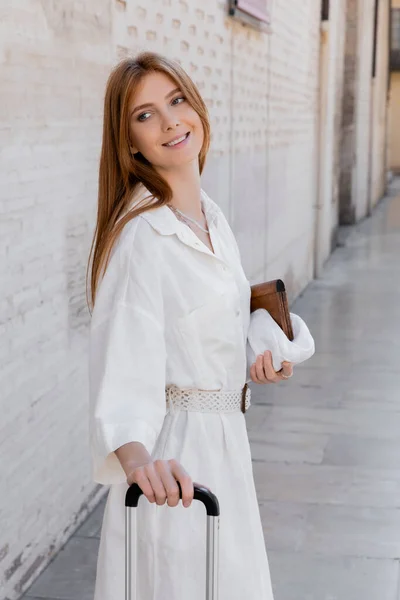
x=51 y=88
x=292 y=143
x=262 y=94
x=365 y=137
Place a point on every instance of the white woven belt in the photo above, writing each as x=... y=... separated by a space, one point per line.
x=206 y=400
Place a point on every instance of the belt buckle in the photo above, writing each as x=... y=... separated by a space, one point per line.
x=244 y=394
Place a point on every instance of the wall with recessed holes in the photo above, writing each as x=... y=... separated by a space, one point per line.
x=261 y=89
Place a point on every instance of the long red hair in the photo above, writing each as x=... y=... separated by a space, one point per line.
x=119 y=172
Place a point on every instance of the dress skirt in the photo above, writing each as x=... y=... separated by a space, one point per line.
x=171 y=541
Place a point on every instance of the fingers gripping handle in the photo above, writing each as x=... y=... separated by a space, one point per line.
x=202 y=494
x=211 y=504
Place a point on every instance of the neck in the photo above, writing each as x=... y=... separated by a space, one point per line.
x=186 y=189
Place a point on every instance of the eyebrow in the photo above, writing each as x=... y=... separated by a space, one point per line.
x=151 y=104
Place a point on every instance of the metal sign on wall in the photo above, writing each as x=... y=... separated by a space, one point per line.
x=253 y=12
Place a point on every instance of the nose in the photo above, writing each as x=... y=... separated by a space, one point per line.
x=170 y=120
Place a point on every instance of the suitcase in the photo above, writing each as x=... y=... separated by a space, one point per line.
x=211 y=505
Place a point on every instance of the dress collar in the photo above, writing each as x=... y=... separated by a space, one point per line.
x=162 y=218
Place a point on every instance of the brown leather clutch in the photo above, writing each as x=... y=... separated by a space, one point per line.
x=271 y=295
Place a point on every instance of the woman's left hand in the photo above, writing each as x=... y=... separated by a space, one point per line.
x=262 y=371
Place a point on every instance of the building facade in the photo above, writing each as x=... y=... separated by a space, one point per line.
x=364 y=112
x=394 y=104
x=298 y=145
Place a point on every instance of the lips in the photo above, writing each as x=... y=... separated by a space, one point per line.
x=176 y=140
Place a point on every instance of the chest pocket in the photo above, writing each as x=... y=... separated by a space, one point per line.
x=212 y=336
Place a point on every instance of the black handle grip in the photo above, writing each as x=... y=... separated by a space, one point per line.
x=202 y=494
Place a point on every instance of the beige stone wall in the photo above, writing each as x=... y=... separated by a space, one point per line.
x=338 y=104
x=363 y=166
x=394 y=123
x=346 y=208
x=394 y=116
x=380 y=101
x=331 y=71
x=363 y=109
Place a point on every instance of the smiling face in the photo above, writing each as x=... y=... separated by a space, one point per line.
x=163 y=126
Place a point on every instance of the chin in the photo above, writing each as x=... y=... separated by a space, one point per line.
x=184 y=160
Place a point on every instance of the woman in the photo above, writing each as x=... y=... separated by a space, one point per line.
x=168 y=347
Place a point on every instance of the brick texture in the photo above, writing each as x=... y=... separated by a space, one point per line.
x=50 y=116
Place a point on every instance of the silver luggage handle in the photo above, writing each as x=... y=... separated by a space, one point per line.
x=211 y=504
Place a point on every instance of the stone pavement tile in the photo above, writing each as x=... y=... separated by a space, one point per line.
x=286 y=446
x=367 y=344
x=372 y=452
x=307 y=577
x=352 y=531
x=325 y=484
x=71 y=575
x=377 y=354
x=304 y=376
x=284 y=525
x=333 y=421
x=331 y=530
x=373 y=390
x=293 y=393
x=327 y=302
x=256 y=415
x=92 y=526
x=370 y=379
x=361 y=399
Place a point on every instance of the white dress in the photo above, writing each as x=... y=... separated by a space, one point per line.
x=169 y=311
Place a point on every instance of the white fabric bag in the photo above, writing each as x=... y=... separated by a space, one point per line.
x=265 y=334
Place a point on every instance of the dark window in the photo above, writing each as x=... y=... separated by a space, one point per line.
x=255 y=8
x=325 y=10
x=251 y=12
x=395 y=40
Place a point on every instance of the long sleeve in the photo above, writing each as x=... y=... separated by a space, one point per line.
x=127 y=356
x=265 y=334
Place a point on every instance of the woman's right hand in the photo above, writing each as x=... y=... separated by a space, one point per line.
x=158 y=481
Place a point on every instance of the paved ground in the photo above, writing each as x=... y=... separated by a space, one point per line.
x=326 y=444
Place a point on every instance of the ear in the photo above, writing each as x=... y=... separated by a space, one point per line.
x=133 y=150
